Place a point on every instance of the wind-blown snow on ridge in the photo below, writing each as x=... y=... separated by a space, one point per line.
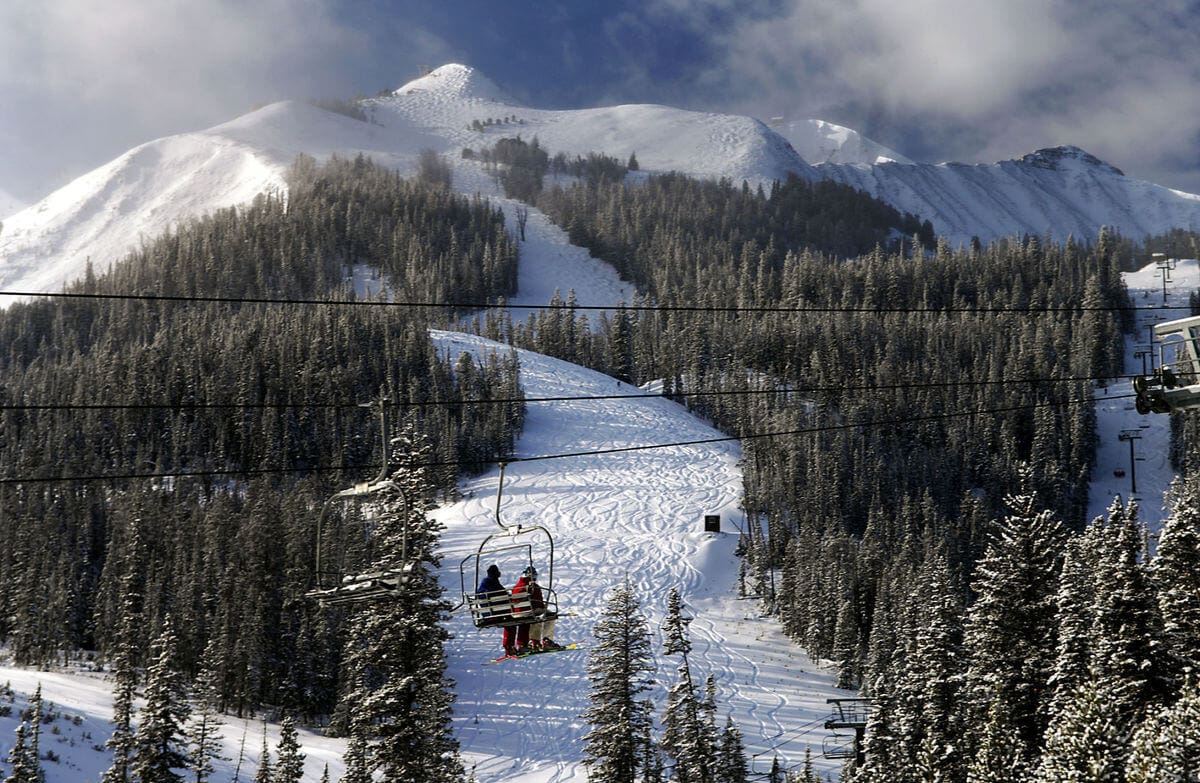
x=457 y=80
x=819 y=142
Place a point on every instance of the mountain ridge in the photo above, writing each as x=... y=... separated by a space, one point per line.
x=1058 y=191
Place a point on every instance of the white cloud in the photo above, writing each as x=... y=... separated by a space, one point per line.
x=80 y=78
x=1120 y=79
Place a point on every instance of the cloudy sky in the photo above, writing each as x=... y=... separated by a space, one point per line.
x=972 y=80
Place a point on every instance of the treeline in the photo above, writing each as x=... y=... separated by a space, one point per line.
x=260 y=400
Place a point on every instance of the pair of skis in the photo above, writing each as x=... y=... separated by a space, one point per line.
x=531 y=654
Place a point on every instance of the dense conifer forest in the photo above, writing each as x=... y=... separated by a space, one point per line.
x=917 y=424
x=261 y=400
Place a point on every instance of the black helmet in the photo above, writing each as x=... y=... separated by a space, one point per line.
x=531 y=572
x=494 y=571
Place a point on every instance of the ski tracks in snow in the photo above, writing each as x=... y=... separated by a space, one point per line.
x=634 y=515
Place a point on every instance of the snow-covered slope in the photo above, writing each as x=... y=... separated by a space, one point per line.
x=818 y=142
x=1151 y=471
x=450 y=100
x=1062 y=191
x=636 y=515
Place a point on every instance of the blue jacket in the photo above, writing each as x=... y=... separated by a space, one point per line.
x=490 y=584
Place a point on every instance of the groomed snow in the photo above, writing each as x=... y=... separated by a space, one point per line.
x=636 y=515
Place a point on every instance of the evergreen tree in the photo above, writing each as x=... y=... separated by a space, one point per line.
x=289 y=761
x=1002 y=755
x=1126 y=659
x=24 y=764
x=1166 y=748
x=929 y=720
x=204 y=744
x=1010 y=635
x=396 y=655
x=619 y=742
x=357 y=759
x=1176 y=574
x=731 y=766
x=159 y=743
x=35 y=731
x=123 y=741
x=1089 y=740
x=263 y=773
x=686 y=738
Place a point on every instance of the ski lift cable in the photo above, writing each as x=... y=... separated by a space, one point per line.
x=572 y=307
x=543 y=457
x=788 y=733
x=188 y=406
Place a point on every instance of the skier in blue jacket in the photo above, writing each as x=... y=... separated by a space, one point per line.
x=491 y=587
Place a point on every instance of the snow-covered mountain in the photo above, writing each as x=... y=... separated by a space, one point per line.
x=1059 y=191
x=152 y=187
x=819 y=142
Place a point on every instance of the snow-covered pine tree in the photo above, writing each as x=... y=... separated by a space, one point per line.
x=686 y=738
x=885 y=756
x=807 y=773
x=1090 y=738
x=24 y=764
x=1166 y=748
x=204 y=745
x=124 y=667
x=1076 y=595
x=1001 y=753
x=1126 y=658
x=263 y=773
x=619 y=742
x=1010 y=636
x=731 y=764
x=396 y=656
x=289 y=761
x=159 y=744
x=36 y=711
x=652 y=763
x=357 y=758
x=1176 y=573
x=929 y=722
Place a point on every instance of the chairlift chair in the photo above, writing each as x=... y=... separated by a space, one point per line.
x=1175 y=385
x=839 y=746
x=848 y=713
x=336 y=587
x=514 y=543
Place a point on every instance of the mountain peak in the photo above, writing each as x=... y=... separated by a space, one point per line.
x=457 y=81
x=1054 y=158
